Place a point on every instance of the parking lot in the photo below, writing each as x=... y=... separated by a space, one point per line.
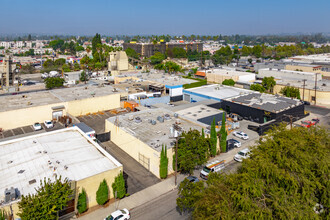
x=27 y=130
x=96 y=120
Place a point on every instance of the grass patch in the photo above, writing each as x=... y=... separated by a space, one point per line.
x=195 y=84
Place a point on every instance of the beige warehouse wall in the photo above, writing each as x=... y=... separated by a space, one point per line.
x=91 y=185
x=216 y=78
x=27 y=116
x=322 y=97
x=7 y=210
x=93 y=104
x=133 y=146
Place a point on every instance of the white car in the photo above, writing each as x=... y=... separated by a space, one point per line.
x=236 y=143
x=48 y=124
x=241 y=135
x=243 y=154
x=37 y=126
x=122 y=214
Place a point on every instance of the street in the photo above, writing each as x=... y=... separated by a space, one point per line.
x=164 y=207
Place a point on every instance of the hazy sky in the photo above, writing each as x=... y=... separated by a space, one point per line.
x=173 y=17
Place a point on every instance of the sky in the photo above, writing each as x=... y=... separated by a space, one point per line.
x=174 y=17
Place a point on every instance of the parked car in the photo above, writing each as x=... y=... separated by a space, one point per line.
x=243 y=154
x=192 y=179
x=241 y=135
x=236 y=143
x=37 y=126
x=315 y=121
x=48 y=124
x=235 y=117
x=122 y=214
x=306 y=124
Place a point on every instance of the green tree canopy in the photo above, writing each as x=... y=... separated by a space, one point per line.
x=257 y=87
x=193 y=150
x=228 y=82
x=157 y=58
x=268 y=83
x=291 y=92
x=54 y=82
x=49 y=199
x=286 y=176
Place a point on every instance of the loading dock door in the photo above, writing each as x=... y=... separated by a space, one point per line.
x=57 y=114
x=186 y=97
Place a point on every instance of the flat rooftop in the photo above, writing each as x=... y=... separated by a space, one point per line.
x=158 y=134
x=31 y=99
x=288 y=71
x=227 y=72
x=67 y=152
x=322 y=85
x=159 y=77
x=217 y=91
x=267 y=102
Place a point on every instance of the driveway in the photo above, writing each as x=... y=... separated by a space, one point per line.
x=137 y=177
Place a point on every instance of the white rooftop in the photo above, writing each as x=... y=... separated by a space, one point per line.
x=199 y=111
x=68 y=153
x=218 y=92
x=227 y=72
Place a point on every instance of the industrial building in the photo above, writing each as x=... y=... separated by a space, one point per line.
x=118 y=63
x=261 y=107
x=142 y=135
x=325 y=72
x=289 y=74
x=27 y=108
x=214 y=92
x=149 y=49
x=219 y=75
x=68 y=153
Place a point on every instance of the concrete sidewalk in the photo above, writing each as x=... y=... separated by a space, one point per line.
x=136 y=199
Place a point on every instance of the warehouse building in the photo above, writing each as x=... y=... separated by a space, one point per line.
x=68 y=153
x=219 y=75
x=261 y=107
x=142 y=135
x=27 y=108
x=149 y=49
x=289 y=74
x=214 y=92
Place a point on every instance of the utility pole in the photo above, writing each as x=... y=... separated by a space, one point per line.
x=304 y=89
x=315 y=87
x=291 y=118
x=176 y=160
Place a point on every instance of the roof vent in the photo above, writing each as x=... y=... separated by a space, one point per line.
x=11 y=194
x=138 y=120
x=9 y=162
x=167 y=117
x=32 y=181
x=176 y=115
x=21 y=171
x=160 y=119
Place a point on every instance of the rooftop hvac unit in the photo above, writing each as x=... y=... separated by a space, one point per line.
x=176 y=115
x=153 y=122
x=167 y=117
x=160 y=119
x=138 y=120
x=10 y=194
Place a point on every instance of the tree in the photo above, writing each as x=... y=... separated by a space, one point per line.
x=27 y=69
x=66 y=68
x=213 y=138
x=172 y=67
x=189 y=194
x=95 y=41
x=291 y=92
x=47 y=201
x=82 y=202
x=59 y=62
x=83 y=77
x=118 y=187
x=157 y=58
x=281 y=180
x=268 y=83
x=29 y=37
x=132 y=53
x=228 y=82
x=163 y=165
x=223 y=134
x=102 y=194
x=257 y=87
x=53 y=82
x=3 y=215
x=193 y=150
x=48 y=63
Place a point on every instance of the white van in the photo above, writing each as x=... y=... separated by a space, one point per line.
x=243 y=154
x=215 y=166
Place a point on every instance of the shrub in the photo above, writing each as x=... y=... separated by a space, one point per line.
x=163 y=165
x=119 y=186
x=228 y=82
x=102 y=193
x=82 y=202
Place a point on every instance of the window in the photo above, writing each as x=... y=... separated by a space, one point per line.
x=313 y=98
